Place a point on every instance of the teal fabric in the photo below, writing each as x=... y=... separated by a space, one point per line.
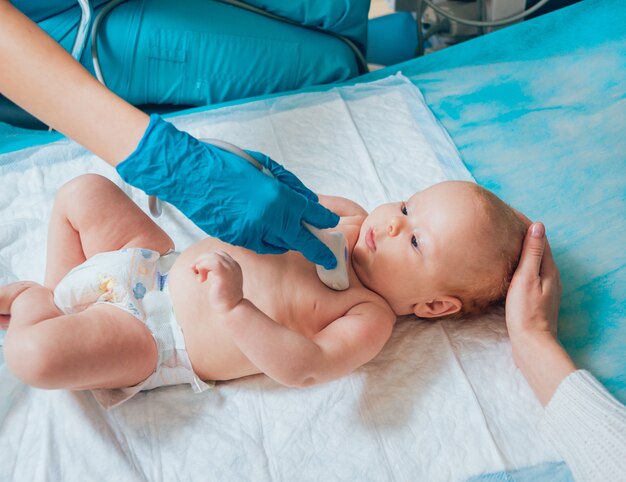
x=548 y=472
x=385 y=49
x=13 y=138
x=38 y=10
x=347 y=18
x=209 y=52
x=161 y=52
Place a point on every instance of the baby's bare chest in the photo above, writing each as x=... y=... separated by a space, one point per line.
x=285 y=287
x=290 y=292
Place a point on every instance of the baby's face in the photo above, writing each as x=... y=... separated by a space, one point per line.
x=408 y=251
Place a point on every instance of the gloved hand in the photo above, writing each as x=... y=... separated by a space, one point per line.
x=226 y=196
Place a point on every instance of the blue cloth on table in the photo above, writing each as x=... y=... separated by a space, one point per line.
x=547 y=472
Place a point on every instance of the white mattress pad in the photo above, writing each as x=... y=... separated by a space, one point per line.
x=442 y=401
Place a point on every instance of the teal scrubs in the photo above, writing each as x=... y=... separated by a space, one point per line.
x=200 y=52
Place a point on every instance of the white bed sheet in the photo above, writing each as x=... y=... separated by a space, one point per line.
x=443 y=401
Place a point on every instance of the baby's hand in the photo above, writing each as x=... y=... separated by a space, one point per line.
x=225 y=281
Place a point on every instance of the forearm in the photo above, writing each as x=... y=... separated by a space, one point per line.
x=543 y=362
x=40 y=76
x=284 y=355
x=588 y=428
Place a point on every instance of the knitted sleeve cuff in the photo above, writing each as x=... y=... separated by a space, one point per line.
x=587 y=426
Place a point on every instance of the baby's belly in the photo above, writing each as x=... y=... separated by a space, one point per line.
x=213 y=354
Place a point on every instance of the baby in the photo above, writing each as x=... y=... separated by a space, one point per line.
x=104 y=319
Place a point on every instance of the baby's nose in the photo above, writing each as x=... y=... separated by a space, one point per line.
x=395 y=225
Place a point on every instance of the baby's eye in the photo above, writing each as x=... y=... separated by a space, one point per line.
x=414 y=241
x=403 y=209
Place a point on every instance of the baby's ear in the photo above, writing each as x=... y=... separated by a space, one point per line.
x=442 y=306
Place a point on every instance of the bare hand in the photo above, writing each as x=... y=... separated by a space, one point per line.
x=532 y=302
x=532 y=310
x=224 y=279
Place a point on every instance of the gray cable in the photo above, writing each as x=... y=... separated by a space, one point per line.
x=94 y=37
x=490 y=23
x=83 y=29
x=419 y=11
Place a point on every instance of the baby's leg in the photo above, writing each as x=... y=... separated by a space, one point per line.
x=92 y=215
x=8 y=293
x=101 y=347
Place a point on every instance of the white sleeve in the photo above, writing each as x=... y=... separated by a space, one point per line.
x=587 y=426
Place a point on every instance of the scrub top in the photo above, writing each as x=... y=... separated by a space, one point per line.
x=202 y=52
x=38 y=10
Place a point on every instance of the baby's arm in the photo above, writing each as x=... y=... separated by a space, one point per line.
x=287 y=356
x=294 y=360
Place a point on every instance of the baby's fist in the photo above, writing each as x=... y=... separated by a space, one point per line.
x=223 y=277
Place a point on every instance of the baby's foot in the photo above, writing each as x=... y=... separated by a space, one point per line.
x=8 y=293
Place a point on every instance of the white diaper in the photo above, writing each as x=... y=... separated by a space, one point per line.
x=134 y=280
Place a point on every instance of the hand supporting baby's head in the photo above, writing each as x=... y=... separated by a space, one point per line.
x=447 y=251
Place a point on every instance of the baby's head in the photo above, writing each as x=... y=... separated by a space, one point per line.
x=450 y=249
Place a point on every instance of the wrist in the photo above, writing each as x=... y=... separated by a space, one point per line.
x=542 y=360
x=526 y=343
x=239 y=310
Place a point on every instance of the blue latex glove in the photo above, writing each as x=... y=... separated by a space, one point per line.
x=226 y=196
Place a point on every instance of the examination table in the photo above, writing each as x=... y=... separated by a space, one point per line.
x=537 y=112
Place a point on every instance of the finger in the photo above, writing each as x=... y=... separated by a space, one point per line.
x=230 y=262
x=284 y=175
x=317 y=215
x=223 y=255
x=290 y=180
x=550 y=277
x=297 y=185
x=201 y=273
x=209 y=261
x=271 y=248
x=548 y=265
x=313 y=249
x=532 y=251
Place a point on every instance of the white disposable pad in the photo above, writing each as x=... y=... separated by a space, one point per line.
x=443 y=401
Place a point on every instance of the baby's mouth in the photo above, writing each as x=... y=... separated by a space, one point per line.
x=369 y=240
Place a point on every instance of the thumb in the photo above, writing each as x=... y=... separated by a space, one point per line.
x=532 y=251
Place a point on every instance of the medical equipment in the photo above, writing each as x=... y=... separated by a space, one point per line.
x=451 y=21
x=336 y=278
